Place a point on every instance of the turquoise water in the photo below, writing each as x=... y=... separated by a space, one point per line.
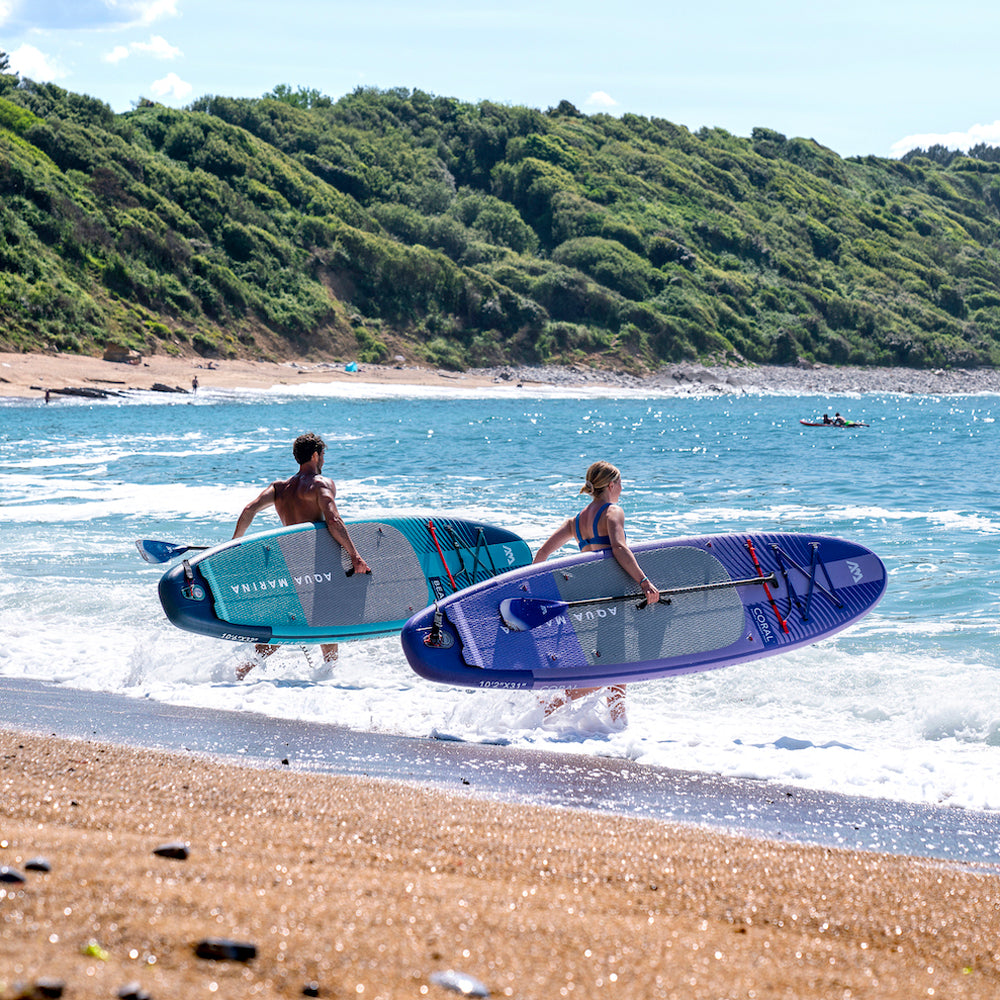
x=905 y=705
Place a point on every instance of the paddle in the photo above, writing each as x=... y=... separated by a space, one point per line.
x=521 y=614
x=160 y=552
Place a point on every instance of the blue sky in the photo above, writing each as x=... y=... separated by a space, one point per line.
x=859 y=77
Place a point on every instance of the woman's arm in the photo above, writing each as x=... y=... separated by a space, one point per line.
x=625 y=556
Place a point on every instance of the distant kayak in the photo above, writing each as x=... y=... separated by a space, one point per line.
x=819 y=423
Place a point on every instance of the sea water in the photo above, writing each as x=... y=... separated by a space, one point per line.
x=905 y=705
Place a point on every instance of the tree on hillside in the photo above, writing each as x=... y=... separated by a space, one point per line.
x=304 y=97
x=4 y=61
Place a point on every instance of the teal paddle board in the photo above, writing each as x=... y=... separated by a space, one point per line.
x=295 y=584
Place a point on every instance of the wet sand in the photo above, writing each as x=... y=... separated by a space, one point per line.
x=368 y=888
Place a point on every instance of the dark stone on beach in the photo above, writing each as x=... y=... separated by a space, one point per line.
x=11 y=875
x=160 y=387
x=40 y=989
x=222 y=950
x=310 y=990
x=37 y=865
x=132 y=991
x=177 y=850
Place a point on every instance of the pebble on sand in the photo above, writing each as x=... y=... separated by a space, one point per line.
x=222 y=950
x=176 y=849
x=40 y=989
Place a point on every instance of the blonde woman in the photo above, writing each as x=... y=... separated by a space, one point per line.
x=599 y=526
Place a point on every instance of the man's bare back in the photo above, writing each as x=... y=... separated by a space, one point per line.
x=305 y=497
x=297 y=499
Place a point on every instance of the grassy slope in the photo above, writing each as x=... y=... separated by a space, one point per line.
x=397 y=222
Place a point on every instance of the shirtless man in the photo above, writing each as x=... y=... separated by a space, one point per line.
x=305 y=497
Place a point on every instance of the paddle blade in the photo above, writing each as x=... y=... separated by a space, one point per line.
x=521 y=614
x=154 y=551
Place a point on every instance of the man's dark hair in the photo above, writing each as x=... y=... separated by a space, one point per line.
x=305 y=445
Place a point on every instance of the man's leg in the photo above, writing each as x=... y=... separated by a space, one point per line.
x=261 y=651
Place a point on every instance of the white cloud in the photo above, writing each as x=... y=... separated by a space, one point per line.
x=85 y=15
x=988 y=134
x=153 y=10
x=171 y=86
x=143 y=11
x=35 y=64
x=599 y=99
x=116 y=55
x=157 y=47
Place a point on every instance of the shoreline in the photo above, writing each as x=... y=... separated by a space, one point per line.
x=364 y=887
x=616 y=786
x=27 y=376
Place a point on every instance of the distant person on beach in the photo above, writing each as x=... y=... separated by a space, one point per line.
x=303 y=498
x=599 y=526
x=194 y=384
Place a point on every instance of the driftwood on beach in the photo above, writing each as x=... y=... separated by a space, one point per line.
x=93 y=393
x=73 y=390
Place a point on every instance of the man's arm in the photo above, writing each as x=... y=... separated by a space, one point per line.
x=335 y=523
x=266 y=499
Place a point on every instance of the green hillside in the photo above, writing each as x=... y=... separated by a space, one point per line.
x=396 y=222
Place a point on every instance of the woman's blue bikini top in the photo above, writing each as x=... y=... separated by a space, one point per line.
x=597 y=539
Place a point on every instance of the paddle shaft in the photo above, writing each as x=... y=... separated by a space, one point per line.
x=668 y=593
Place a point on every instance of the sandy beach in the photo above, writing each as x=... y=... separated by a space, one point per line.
x=27 y=376
x=357 y=887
